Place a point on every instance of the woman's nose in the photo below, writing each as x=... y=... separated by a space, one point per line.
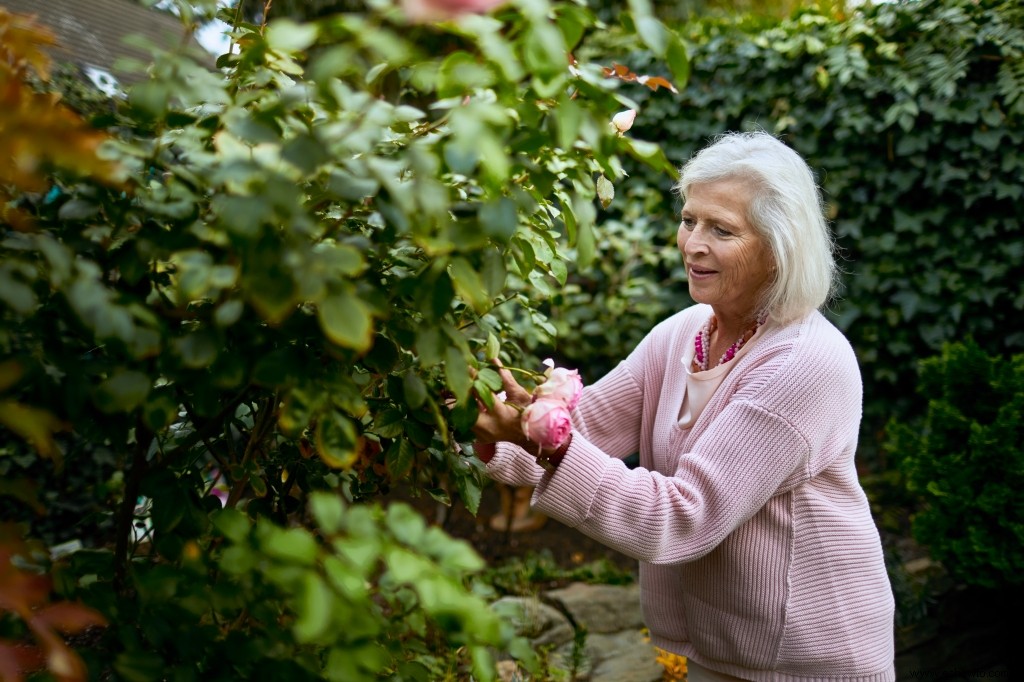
x=694 y=242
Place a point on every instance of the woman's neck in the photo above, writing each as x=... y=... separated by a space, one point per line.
x=733 y=326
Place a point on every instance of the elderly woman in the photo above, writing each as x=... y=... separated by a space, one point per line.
x=759 y=559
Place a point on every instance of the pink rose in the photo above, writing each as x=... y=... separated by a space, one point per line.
x=546 y=422
x=562 y=384
x=422 y=11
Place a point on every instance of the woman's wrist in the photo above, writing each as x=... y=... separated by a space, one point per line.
x=550 y=458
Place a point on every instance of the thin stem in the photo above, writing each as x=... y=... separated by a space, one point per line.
x=126 y=513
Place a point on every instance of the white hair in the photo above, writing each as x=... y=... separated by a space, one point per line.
x=786 y=209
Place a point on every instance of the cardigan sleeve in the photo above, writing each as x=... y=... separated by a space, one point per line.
x=796 y=414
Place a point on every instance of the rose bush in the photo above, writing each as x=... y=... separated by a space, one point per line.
x=305 y=254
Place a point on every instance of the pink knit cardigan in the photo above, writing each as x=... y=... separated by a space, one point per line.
x=758 y=554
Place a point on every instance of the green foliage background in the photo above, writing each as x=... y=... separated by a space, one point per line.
x=964 y=463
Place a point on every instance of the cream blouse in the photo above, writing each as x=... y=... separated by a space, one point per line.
x=700 y=386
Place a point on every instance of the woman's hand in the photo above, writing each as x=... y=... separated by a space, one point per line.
x=501 y=423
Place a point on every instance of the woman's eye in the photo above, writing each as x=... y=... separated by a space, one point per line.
x=721 y=231
x=689 y=224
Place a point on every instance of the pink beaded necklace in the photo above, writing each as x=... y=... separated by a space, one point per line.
x=702 y=343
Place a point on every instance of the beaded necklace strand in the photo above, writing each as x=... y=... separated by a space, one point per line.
x=702 y=343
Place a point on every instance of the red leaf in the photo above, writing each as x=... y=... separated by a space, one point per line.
x=69 y=617
x=654 y=82
x=18 y=658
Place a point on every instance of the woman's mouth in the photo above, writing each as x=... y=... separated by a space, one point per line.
x=698 y=272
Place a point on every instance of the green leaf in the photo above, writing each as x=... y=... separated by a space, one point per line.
x=414 y=390
x=150 y=97
x=494 y=273
x=123 y=391
x=461 y=73
x=231 y=523
x=499 y=219
x=399 y=459
x=585 y=245
x=456 y=373
x=483 y=663
x=569 y=116
x=493 y=348
x=605 y=191
x=653 y=33
x=197 y=350
x=406 y=524
x=678 y=61
x=140 y=666
x=336 y=440
x=314 y=606
x=346 y=320
x=544 y=50
x=490 y=378
x=290 y=545
x=286 y=35
x=345 y=185
x=328 y=510
x=228 y=312
x=468 y=284
x=160 y=409
x=471 y=492
x=389 y=424
x=430 y=346
x=78 y=209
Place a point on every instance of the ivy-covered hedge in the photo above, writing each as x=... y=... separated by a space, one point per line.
x=912 y=113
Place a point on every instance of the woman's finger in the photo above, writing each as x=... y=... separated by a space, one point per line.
x=514 y=392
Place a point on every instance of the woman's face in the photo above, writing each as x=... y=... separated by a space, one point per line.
x=728 y=264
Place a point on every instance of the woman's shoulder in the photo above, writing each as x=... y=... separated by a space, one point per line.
x=808 y=351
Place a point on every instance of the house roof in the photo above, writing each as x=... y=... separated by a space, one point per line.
x=91 y=33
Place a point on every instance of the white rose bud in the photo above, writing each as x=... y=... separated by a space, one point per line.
x=623 y=120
